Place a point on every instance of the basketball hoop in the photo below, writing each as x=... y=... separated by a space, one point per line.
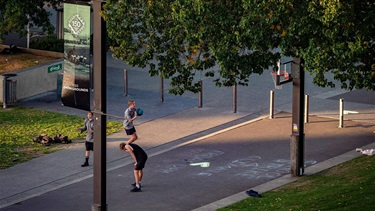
x=283 y=74
x=278 y=73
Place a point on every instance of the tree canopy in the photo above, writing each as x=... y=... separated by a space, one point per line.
x=185 y=40
x=15 y=15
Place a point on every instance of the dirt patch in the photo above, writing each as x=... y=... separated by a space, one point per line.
x=13 y=62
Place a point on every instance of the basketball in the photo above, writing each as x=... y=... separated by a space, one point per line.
x=139 y=112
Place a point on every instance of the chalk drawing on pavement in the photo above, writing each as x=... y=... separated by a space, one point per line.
x=204 y=156
x=254 y=169
x=199 y=158
x=201 y=164
x=170 y=168
x=249 y=167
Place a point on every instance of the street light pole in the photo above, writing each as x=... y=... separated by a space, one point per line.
x=100 y=108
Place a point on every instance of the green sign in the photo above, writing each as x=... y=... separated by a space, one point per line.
x=54 y=68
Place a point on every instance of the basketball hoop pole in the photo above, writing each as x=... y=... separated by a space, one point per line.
x=298 y=135
x=297 y=147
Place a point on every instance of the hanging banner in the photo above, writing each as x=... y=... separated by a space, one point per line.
x=76 y=75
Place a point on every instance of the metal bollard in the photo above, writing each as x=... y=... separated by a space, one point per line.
x=306 y=109
x=272 y=105
x=125 y=82
x=4 y=93
x=161 y=89
x=341 y=117
x=200 y=94
x=234 y=98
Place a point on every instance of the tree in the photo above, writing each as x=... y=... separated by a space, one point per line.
x=15 y=15
x=184 y=40
x=333 y=36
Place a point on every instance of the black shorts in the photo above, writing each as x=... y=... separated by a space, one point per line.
x=141 y=164
x=130 y=131
x=89 y=146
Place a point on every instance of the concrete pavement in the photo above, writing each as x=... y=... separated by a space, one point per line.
x=169 y=128
x=253 y=154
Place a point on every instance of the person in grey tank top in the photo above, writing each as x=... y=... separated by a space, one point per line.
x=130 y=115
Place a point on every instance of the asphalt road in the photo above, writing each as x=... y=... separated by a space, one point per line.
x=209 y=169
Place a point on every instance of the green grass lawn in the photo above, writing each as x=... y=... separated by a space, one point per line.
x=18 y=126
x=349 y=186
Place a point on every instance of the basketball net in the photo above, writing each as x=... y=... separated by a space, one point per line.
x=281 y=73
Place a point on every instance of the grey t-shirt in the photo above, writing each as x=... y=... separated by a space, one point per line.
x=128 y=115
x=89 y=127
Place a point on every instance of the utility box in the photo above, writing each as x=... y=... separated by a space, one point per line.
x=9 y=90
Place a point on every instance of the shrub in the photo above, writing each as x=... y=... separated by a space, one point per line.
x=49 y=43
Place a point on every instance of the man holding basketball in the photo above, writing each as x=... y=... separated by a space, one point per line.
x=129 y=116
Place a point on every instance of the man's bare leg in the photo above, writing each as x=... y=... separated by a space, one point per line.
x=133 y=137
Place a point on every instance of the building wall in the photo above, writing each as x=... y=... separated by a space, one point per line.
x=34 y=80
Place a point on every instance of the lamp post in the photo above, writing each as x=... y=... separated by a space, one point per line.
x=100 y=108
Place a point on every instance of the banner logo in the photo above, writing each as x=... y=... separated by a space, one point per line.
x=76 y=24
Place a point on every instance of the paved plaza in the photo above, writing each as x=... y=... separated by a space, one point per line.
x=199 y=158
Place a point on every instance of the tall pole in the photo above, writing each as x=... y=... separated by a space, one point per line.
x=200 y=94
x=306 y=108
x=161 y=89
x=234 y=103
x=341 y=116
x=28 y=32
x=298 y=135
x=272 y=105
x=100 y=108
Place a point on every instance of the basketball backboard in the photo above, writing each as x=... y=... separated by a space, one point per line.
x=281 y=74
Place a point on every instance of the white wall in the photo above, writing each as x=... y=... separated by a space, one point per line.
x=33 y=81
